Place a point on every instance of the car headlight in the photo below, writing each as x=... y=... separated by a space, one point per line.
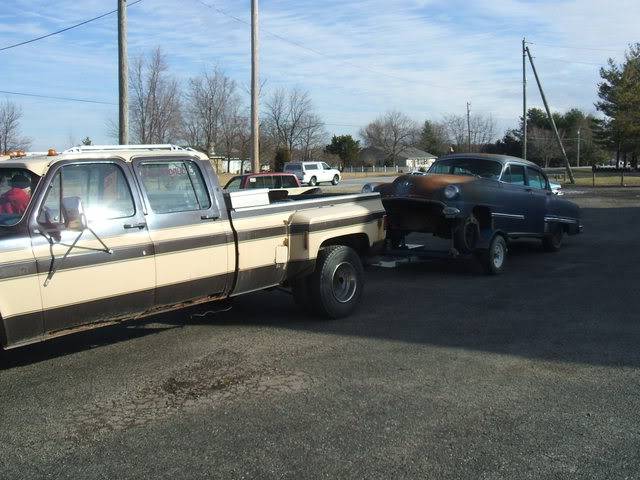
x=451 y=191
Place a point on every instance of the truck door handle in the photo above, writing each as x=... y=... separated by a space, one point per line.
x=209 y=217
x=131 y=226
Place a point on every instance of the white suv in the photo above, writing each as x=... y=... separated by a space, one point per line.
x=312 y=173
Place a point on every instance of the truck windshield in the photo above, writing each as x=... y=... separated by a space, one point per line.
x=16 y=185
x=475 y=167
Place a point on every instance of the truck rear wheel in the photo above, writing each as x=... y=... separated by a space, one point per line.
x=335 y=287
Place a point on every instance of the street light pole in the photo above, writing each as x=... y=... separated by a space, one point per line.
x=255 y=115
x=468 y=128
x=578 y=153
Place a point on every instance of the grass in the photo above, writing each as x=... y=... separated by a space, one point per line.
x=603 y=179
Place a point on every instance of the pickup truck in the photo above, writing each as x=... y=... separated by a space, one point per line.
x=97 y=235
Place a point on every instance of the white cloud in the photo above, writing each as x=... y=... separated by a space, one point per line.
x=425 y=57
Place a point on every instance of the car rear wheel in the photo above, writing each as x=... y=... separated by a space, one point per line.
x=313 y=181
x=335 y=287
x=494 y=258
x=336 y=180
x=553 y=241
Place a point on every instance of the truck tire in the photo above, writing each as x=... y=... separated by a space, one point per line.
x=313 y=181
x=336 y=180
x=553 y=241
x=493 y=258
x=336 y=285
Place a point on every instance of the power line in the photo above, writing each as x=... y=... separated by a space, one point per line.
x=572 y=47
x=564 y=60
x=64 y=29
x=65 y=99
x=322 y=54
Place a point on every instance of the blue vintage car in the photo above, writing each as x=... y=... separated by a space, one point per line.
x=479 y=201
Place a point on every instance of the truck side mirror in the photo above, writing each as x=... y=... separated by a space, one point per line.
x=73 y=214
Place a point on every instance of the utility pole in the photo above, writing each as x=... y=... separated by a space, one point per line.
x=524 y=99
x=123 y=75
x=553 y=123
x=255 y=116
x=468 y=128
x=578 y=152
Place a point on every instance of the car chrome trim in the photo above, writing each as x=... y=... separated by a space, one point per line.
x=553 y=218
x=507 y=215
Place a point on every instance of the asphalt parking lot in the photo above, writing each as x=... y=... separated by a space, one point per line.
x=443 y=373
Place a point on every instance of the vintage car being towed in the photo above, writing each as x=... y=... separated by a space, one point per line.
x=479 y=201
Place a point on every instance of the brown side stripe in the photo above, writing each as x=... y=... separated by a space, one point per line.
x=17 y=269
x=343 y=222
x=246 y=235
x=191 y=243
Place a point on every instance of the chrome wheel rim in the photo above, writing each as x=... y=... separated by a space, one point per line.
x=498 y=254
x=344 y=282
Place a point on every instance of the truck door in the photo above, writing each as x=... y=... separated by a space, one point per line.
x=190 y=230
x=99 y=271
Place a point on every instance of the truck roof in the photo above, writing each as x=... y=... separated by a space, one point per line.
x=39 y=164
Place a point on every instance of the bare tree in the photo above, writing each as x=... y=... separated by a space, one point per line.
x=392 y=133
x=10 y=138
x=288 y=116
x=313 y=136
x=235 y=133
x=483 y=131
x=542 y=145
x=155 y=100
x=209 y=98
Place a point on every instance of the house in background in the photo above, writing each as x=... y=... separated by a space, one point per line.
x=407 y=160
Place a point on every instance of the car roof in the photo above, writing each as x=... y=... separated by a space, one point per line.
x=503 y=159
x=264 y=174
x=39 y=164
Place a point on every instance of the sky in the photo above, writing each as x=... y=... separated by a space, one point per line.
x=357 y=59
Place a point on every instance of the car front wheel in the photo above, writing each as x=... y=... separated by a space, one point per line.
x=336 y=180
x=553 y=241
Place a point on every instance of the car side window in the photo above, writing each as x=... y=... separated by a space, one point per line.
x=325 y=166
x=102 y=187
x=234 y=184
x=175 y=186
x=516 y=175
x=311 y=166
x=536 y=179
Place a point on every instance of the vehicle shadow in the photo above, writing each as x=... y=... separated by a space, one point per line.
x=67 y=345
x=578 y=305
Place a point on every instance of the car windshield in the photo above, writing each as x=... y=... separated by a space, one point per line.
x=16 y=185
x=476 y=167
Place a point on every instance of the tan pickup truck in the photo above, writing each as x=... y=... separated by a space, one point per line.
x=101 y=234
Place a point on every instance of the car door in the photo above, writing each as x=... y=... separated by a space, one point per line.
x=327 y=172
x=190 y=231
x=539 y=193
x=510 y=214
x=101 y=272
